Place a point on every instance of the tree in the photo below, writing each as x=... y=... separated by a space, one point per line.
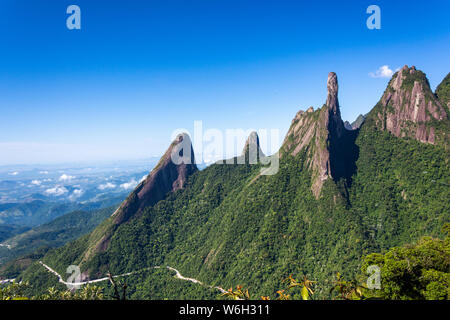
x=419 y=271
x=348 y=290
x=13 y=291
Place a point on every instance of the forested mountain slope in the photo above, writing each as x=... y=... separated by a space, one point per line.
x=55 y=233
x=338 y=195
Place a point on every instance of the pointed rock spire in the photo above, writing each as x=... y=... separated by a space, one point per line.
x=332 y=97
x=317 y=132
x=335 y=123
x=252 y=149
x=170 y=174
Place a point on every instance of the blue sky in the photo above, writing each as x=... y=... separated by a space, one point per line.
x=137 y=70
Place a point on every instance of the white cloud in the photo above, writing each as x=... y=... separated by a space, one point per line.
x=56 y=191
x=107 y=185
x=76 y=194
x=143 y=178
x=15 y=173
x=129 y=185
x=43 y=172
x=382 y=72
x=36 y=182
x=65 y=177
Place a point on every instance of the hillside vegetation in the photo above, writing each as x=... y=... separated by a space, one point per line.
x=339 y=195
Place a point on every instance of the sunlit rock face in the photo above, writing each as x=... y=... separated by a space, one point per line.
x=408 y=107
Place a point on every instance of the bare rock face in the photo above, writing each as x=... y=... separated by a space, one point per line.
x=335 y=123
x=408 y=107
x=313 y=131
x=169 y=175
x=252 y=149
x=348 y=126
x=166 y=177
x=358 y=122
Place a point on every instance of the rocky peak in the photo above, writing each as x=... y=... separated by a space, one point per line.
x=315 y=132
x=355 y=124
x=252 y=149
x=335 y=123
x=408 y=107
x=347 y=125
x=169 y=175
x=358 y=122
x=332 y=94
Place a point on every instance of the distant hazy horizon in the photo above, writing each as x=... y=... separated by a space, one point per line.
x=135 y=72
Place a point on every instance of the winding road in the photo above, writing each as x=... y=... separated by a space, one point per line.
x=6 y=281
x=73 y=284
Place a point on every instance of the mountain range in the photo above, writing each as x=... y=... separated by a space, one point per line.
x=342 y=191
